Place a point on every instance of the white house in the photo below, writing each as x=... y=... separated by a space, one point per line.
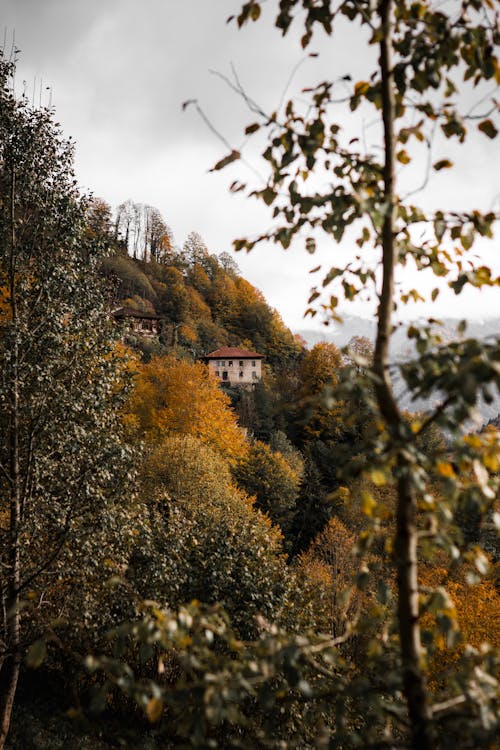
x=235 y=366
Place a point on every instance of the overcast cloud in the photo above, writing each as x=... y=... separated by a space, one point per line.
x=119 y=71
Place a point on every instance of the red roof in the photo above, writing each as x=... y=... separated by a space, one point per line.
x=231 y=352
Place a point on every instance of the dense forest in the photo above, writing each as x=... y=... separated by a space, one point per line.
x=186 y=563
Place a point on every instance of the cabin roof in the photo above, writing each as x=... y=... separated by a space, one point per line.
x=232 y=352
x=130 y=312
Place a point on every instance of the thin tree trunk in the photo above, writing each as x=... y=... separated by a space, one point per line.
x=10 y=668
x=405 y=546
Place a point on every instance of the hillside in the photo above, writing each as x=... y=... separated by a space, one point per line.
x=202 y=301
x=189 y=562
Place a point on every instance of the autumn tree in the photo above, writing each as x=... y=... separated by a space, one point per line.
x=178 y=397
x=471 y=602
x=327 y=569
x=61 y=457
x=99 y=218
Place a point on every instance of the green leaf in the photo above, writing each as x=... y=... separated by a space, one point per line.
x=268 y=195
x=467 y=240
x=233 y=156
x=36 y=655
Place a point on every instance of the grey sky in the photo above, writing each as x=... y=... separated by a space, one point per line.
x=119 y=72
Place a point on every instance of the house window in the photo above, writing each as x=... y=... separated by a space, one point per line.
x=241 y=373
x=253 y=363
x=230 y=363
x=254 y=375
x=225 y=375
x=223 y=364
x=217 y=373
x=241 y=363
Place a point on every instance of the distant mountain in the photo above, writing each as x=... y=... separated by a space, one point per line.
x=353 y=325
x=402 y=348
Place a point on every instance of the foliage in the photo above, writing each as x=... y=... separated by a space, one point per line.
x=183 y=468
x=63 y=464
x=211 y=544
x=177 y=397
x=131 y=280
x=313 y=508
x=324 y=178
x=408 y=609
x=327 y=571
x=280 y=691
x=270 y=478
x=317 y=415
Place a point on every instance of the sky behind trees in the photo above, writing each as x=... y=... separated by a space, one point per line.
x=119 y=72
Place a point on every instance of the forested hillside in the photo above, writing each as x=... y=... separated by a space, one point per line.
x=200 y=297
x=297 y=564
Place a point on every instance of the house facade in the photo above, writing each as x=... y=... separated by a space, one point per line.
x=137 y=322
x=236 y=367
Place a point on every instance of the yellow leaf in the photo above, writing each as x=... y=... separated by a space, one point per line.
x=491 y=462
x=445 y=469
x=378 y=477
x=154 y=710
x=361 y=87
x=473 y=440
x=368 y=503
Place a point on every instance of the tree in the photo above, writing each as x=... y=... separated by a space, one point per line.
x=176 y=397
x=425 y=56
x=194 y=249
x=173 y=298
x=213 y=545
x=313 y=507
x=320 y=367
x=330 y=566
x=61 y=456
x=99 y=218
x=268 y=477
x=158 y=237
x=143 y=231
x=229 y=264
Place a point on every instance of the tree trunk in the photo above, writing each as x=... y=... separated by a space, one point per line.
x=9 y=673
x=8 y=687
x=405 y=545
